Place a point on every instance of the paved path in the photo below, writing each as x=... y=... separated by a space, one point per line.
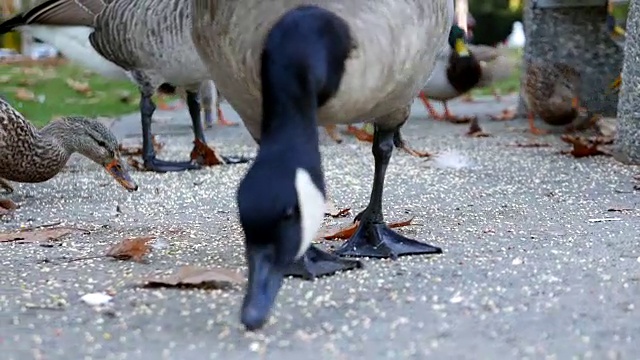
x=524 y=275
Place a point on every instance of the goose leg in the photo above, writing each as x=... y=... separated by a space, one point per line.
x=193 y=104
x=374 y=238
x=151 y=163
x=399 y=143
x=207 y=99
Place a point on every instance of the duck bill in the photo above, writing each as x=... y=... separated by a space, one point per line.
x=461 y=47
x=265 y=281
x=119 y=172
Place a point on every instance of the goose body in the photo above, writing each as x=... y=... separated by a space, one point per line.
x=288 y=66
x=232 y=43
x=73 y=42
x=32 y=155
x=149 y=39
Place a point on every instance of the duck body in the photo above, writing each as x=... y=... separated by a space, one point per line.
x=150 y=40
x=32 y=155
x=551 y=92
x=370 y=87
x=456 y=71
x=288 y=66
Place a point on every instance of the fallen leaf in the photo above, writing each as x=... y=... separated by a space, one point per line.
x=475 y=130
x=37 y=235
x=333 y=211
x=8 y=204
x=79 y=86
x=26 y=82
x=197 y=277
x=347 y=232
x=131 y=249
x=506 y=115
x=136 y=150
x=583 y=147
x=134 y=163
x=360 y=134
x=23 y=94
x=4 y=79
x=204 y=155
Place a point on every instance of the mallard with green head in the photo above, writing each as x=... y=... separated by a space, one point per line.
x=288 y=66
x=457 y=71
x=550 y=91
x=32 y=155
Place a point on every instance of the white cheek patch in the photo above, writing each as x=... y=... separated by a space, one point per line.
x=312 y=208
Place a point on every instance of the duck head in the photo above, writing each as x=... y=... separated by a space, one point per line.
x=457 y=41
x=281 y=200
x=95 y=141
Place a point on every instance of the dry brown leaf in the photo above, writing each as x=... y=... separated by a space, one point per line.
x=131 y=249
x=204 y=155
x=583 y=147
x=347 y=232
x=26 y=82
x=333 y=211
x=79 y=86
x=134 y=163
x=475 y=130
x=197 y=277
x=360 y=134
x=136 y=150
x=38 y=235
x=8 y=204
x=24 y=94
x=506 y=115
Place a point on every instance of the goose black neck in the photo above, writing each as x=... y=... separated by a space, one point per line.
x=302 y=64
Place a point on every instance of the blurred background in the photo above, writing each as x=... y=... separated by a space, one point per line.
x=34 y=73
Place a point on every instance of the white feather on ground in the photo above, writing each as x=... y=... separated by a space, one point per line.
x=450 y=159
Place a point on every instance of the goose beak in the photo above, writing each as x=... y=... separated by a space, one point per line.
x=265 y=281
x=119 y=172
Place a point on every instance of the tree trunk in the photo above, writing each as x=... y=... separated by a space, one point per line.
x=627 y=143
x=577 y=35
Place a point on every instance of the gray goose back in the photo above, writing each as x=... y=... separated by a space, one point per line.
x=151 y=36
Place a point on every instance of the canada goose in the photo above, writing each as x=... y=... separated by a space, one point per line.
x=154 y=50
x=304 y=64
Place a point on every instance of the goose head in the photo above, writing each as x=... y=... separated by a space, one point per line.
x=281 y=200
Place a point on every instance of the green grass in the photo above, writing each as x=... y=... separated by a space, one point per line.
x=506 y=86
x=54 y=97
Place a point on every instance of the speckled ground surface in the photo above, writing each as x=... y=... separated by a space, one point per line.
x=524 y=273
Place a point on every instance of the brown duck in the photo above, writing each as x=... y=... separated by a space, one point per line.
x=551 y=92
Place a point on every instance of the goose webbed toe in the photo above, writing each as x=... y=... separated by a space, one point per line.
x=316 y=263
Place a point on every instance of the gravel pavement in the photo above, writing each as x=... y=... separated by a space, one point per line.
x=525 y=274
